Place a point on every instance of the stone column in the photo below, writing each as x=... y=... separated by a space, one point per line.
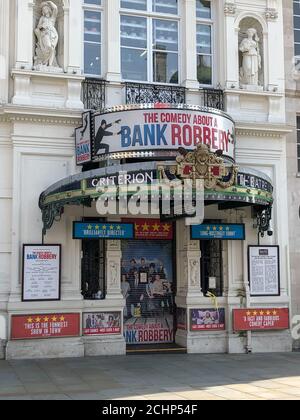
x=4 y=47
x=24 y=34
x=231 y=46
x=73 y=38
x=112 y=30
x=113 y=270
x=189 y=45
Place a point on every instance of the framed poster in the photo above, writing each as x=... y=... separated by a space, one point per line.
x=264 y=270
x=102 y=323
x=41 y=279
x=207 y=319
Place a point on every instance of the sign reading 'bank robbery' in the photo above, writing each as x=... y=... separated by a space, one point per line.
x=142 y=130
x=260 y=319
x=26 y=327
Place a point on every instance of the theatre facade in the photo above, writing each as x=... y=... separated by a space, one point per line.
x=145 y=210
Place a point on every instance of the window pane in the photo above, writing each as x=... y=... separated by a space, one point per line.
x=297 y=7
x=165 y=35
x=297 y=49
x=92 y=26
x=297 y=36
x=165 y=6
x=97 y=2
x=92 y=61
x=204 y=39
x=165 y=67
x=133 y=32
x=203 y=9
x=204 y=69
x=134 y=4
x=299 y=165
x=134 y=64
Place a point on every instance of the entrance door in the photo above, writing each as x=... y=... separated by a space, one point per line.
x=148 y=283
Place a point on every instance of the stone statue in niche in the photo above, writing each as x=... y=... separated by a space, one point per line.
x=251 y=64
x=47 y=38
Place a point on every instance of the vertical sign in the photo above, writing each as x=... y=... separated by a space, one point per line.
x=41 y=273
x=83 y=140
x=264 y=270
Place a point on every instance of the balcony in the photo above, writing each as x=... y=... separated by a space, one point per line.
x=213 y=98
x=137 y=93
x=93 y=94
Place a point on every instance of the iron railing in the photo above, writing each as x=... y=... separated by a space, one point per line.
x=214 y=98
x=93 y=94
x=137 y=93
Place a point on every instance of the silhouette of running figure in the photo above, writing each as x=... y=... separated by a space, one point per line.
x=102 y=132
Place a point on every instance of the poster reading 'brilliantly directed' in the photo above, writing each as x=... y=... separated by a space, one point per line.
x=41 y=272
x=147 y=286
x=264 y=270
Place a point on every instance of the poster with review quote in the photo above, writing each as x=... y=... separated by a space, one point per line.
x=41 y=272
x=264 y=270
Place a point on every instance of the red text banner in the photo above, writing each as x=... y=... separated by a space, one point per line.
x=260 y=319
x=27 y=327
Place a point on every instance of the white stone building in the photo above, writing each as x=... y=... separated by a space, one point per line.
x=112 y=52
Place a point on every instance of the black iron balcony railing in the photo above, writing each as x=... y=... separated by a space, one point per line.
x=93 y=94
x=214 y=98
x=137 y=93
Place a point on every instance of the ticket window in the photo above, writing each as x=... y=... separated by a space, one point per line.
x=212 y=267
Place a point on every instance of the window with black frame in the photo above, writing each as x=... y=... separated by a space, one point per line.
x=150 y=41
x=298 y=144
x=212 y=266
x=93 y=286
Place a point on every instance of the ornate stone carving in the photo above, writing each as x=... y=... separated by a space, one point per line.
x=113 y=274
x=203 y=164
x=229 y=9
x=47 y=39
x=194 y=273
x=271 y=14
x=251 y=62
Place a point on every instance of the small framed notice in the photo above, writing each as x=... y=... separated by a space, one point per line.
x=41 y=273
x=264 y=270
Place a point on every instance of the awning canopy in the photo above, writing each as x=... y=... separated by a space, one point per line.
x=252 y=188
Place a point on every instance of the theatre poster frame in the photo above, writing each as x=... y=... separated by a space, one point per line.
x=58 y=278
x=276 y=292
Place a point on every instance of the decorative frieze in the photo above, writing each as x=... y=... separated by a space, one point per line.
x=271 y=14
x=230 y=9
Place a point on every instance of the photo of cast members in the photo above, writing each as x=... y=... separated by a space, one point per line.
x=147 y=286
x=208 y=318
x=94 y=321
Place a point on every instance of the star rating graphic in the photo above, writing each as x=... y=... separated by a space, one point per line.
x=262 y=312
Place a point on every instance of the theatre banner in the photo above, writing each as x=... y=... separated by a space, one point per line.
x=41 y=273
x=208 y=319
x=149 y=130
x=113 y=231
x=232 y=232
x=255 y=319
x=41 y=326
x=264 y=270
x=102 y=323
x=83 y=140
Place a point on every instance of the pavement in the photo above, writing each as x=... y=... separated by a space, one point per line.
x=154 y=377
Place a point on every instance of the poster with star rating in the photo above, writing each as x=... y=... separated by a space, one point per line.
x=232 y=232
x=260 y=319
x=103 y=230
x=41 y=326
x=153 y=229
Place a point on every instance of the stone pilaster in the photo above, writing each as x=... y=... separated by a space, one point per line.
x=4 y=48
x=189 y=38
